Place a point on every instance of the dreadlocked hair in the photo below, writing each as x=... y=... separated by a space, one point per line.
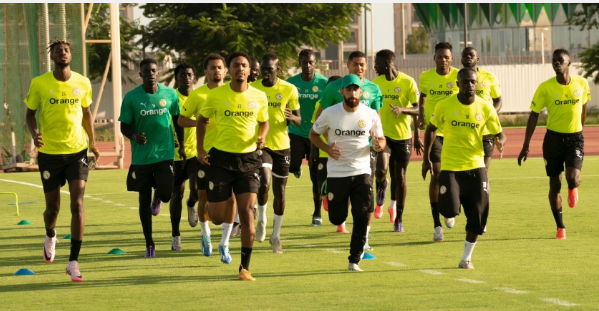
x=56 y=42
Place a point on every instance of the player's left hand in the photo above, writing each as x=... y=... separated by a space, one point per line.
x=182 y=154
x=288 y=114
x=396 y=110
x=95 y=151
x=418 y=146
x=426 y=166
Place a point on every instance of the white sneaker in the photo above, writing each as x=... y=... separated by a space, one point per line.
x=276 y=245
x=438 y=237
x=73 y=271
x=176 y=245
x=466 y=264
x=50 y=248
x=192 y=215
x=236 y=229
x=450 y=222
x=260 y=231
x=354 y=267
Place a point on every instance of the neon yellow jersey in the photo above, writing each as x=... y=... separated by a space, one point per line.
x=61 y=113
x=436 y=88
x=189 y=134
x=488 y=86
x=564 y=103
x=195 y=102
x=402 y=92
x=321 y=153
x=236 y=114
x=463 y=127
x=280 y=96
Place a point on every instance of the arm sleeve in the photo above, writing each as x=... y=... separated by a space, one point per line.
x=538 y=100
x=126 y=113
x=495 y=87
x=86 y=101
x=175 y=108
x=321 y=125
x=33 y=99
x=263 y=112
x=207 y=109
x=377 y=126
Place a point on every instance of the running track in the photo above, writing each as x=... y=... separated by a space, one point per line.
x=515 y=138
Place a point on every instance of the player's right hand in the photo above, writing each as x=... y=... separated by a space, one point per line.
x=38 y=140
x=523 y=156
x=333 y=151
x=140 y=138
x=203 y=157
x=426 y=166
x=420 y=123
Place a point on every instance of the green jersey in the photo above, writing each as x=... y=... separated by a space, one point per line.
x=371 y=95
x=309 y=93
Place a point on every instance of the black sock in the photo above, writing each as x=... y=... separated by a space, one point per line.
x=435 y=212
x=146 y=224
x=557 y=215
x=246 y=256
x=399 y=210
x=175 y=226
x=190 y=200
x=50 y=232
x=317 y=204
x=75 y=248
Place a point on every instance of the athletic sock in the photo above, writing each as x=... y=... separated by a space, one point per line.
x=468 y=249
x=276 y=225
x=367 y=234
x=205 y=228
x=224 y=240
x=317 y=205
x=50 y=233
x=392 y=204
x=399 y=216
x=262 y=212
x=190 y=200
x=435 y=212
x=246 y=256
x=557 y=215
x=175 y=226
x=146 y=225
x=75 y=248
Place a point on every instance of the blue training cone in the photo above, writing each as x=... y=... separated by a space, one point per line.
x=368 y=256
x=24 y=271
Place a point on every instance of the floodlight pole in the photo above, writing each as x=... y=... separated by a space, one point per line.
x=465 y=24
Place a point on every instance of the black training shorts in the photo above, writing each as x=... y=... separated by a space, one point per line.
x=185 y=172
x=57 y=169
x=156 y=175
x=232 y=172
x=276 y=160
x=560 y=149
x=400 y=150
x=435 y=155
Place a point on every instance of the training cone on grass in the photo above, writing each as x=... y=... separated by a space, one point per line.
x=116 y=251
x=24 y=271
x=368 y=256
x=24 y=222
x=67 y=236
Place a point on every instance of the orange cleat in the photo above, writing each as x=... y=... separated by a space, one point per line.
x=392 y=214
x=341 y=229
x=378 y=212
x=572 y=197
x=325 y=204
x=561 y=234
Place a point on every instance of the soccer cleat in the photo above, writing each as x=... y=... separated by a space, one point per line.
x=378 y=212
x=466 y=264
x=206 y=245
x=260 y=231
x=449 y=222
x=354 y=267
x=298 y=174
x=225 y=256
x=398 y=226
x=325 y=204
x=316 y=221
x=73 y=271
x=50 y=248
x=245 y=275
x=438 y=237
x=236 y=229
x=156 y=205
x=572 y=197
x=341 y=229
x=561 y=234
x=192 y=215
x=392 y=214
x=276 y=245
x=367 y=247
x=150 y=252
x=176 y=245
x=381 y=189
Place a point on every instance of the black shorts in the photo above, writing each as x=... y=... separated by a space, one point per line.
x=232 y=172
x=488 y=145
x=435 y=155
x=202 y=177
x=341 y=189
x=400 y=150
x=560 y=149
x=155 y=175
x=57 y=169
x=300 y=150
x=321 y=173
x=276 y=160
x=185 y=172
x=470 y=189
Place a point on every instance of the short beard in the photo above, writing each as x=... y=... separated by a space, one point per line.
x=352 y=102
x=240 y=80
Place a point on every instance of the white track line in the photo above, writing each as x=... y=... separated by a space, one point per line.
x=471 y=281
x=29 y=184
x=511 y=290
x=431 y=272
x=559 y=302
x=334 y=251
x=396 y=264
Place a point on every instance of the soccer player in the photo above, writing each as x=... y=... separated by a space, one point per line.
x=63 y=98
x=310 y=86
x=370 y=96
x=185 y=78
x=255 y=70
x=147 y=113
x=565 y=98
x=215 y=71
x=400 y=104
x=283 y=107
x=349 y=127
x=435 y=85
x=463 y=177
x=489 y=89
x=233 y=162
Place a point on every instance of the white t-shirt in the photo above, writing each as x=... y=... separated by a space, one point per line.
x=351 y=131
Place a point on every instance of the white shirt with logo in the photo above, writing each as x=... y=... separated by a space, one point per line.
x=351 y=131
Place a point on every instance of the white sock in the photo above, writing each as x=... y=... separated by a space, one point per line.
x=393 y=204
x=468 y=249
x=367 y=233
x=276 y=226
x=224 y=240
x=262 y=212
x=237 y=218
x=205 y=228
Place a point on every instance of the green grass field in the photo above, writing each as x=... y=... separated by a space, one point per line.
x=519 y=264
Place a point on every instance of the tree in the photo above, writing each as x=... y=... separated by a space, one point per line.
x=417 y=41
x=196 y=30
x=588 y=18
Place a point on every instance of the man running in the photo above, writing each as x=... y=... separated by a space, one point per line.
x=233 y=162
x=254 y=70
x=400 y=104
x=435 y=85
x=147 y=113
x=215 y=71
x=348 y=127
x=463 y=177
x=63 y=98
x=310 y=86
x=283 y=107
x=565 y=98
